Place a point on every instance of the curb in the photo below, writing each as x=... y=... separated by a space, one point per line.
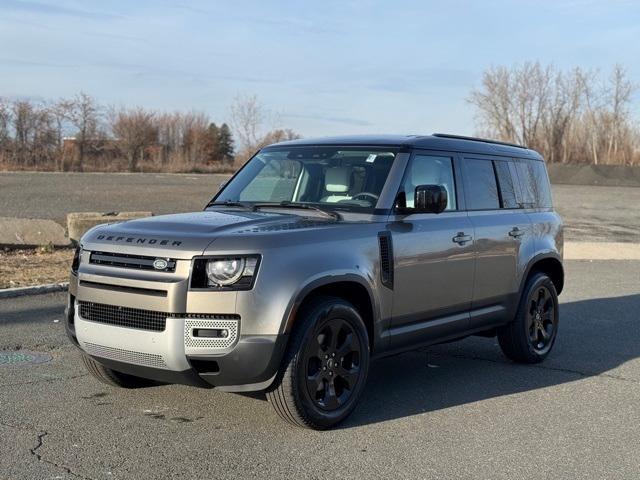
x=35 y=290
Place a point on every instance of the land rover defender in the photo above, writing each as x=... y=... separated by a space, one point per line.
x=319 y=256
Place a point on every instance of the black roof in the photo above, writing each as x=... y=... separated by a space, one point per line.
x=437 y=141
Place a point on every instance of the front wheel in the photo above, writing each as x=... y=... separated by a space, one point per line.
x=325 y=368
x=530 y=337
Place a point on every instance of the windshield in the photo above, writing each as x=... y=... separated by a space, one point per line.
x=332 y=178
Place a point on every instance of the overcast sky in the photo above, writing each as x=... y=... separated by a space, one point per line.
x=325 y=67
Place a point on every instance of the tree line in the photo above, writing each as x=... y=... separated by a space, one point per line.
x=570 y=116
x=79 y=134
x=573 y=116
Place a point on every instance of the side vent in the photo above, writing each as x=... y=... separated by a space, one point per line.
x=386 y=259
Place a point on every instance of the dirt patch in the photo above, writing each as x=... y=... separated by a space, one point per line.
x=601 y=175
x=22 y=268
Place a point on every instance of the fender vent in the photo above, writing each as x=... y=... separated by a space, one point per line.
x=386 y=259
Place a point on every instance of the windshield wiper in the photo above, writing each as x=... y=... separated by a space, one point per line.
x=304 y=206
x=227 y=203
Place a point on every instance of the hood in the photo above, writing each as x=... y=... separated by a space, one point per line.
x=186 y=234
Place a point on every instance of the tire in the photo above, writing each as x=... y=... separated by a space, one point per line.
x=532 y=334
x=113 y=378
x=325 y=368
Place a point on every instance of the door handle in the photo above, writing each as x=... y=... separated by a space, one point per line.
x=461 y=238
x=516 y=232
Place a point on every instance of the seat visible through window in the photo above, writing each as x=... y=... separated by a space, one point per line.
x=337 y=183
x=430 y=170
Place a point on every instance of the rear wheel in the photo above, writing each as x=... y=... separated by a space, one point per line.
x=325 y=368
x=113 y=378
x=530 y=337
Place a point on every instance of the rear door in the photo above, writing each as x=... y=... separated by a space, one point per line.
x=434 y=258
x=501 y=228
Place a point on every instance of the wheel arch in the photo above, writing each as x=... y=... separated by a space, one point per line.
x=549 y=264
x=351 y=288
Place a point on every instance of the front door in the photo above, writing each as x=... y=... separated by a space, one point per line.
x=433 y=260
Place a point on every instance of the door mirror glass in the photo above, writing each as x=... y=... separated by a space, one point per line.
x=430 y=199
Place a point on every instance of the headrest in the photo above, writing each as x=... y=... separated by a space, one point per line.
x=426 y=172
x=336 y=179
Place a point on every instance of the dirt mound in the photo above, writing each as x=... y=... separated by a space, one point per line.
x=607 y=175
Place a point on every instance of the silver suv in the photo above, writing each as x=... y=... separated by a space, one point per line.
x=319 y=256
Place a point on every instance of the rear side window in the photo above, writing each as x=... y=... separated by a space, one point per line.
x=534 y=183
x=506 y=184
x=480 y=186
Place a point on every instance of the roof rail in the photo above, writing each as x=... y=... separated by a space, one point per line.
x=475 y=139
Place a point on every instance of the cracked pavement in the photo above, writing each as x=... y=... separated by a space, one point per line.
x=459 y=410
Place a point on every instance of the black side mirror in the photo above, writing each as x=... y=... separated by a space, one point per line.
x=430 y=199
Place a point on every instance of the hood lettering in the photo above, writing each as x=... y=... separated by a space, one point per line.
x=139 y=240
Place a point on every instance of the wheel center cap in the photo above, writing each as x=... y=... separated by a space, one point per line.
x=330 y=363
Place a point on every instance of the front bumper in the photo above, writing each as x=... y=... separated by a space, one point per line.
x=249 y=363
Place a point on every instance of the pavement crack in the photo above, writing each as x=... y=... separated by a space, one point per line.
x=547 y=367
x=40 y=458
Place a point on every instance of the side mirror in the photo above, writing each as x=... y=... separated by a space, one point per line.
x=430 y=199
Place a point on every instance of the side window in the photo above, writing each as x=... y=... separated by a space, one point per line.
x=430 y=170
x=534 y=183
x=480 y=187
x=506 y=184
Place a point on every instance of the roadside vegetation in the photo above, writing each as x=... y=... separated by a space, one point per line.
x=23 y=268
x=575 y=116
x=79 y=134
x=571 y=117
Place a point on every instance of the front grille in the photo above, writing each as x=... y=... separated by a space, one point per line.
x=127 y=356
x=138 y=262
x=123 y=316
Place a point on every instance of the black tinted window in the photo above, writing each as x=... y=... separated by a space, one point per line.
x=507 y=184
x=480 y=188
x=534 y=183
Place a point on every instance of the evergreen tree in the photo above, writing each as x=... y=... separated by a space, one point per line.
x=213 y=134
x=225 y=143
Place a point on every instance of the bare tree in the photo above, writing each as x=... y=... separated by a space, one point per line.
x=84 y=115
x=566 y=115
x=134 y=129
x=60 y=113
x=560 y=115
x=247 y=119
x=5 y=125
x=621 y=90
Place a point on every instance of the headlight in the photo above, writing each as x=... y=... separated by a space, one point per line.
x=225 y=273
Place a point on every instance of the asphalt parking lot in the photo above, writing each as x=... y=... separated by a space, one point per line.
x=459 y=410
x=590 y=213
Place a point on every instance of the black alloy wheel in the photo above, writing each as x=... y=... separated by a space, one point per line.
x=324 y=370
x=541 y=320
x=332 y=363
x=531 y=335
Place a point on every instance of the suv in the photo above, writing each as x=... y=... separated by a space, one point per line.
x=317 y=257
